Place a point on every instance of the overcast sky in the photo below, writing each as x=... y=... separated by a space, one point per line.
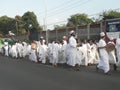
x=56 y=11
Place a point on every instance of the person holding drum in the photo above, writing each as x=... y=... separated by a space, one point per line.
x=104 y=58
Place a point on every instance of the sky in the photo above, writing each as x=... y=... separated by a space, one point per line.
x=56 y=12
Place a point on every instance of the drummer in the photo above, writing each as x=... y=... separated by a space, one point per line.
x=104 y=58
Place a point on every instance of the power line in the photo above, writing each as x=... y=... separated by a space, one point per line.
x=77 y=3
x=62 y=7
x=88 y=15
x=74 y=8
x=57 y=22
x=68 y=9
x=102 y=12
x=57 y=7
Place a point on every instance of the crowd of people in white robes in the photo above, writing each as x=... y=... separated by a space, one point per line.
x=70 y=51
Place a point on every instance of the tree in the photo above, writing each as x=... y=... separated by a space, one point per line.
x=19 y=25
x=7 y=24
x=79 y=19
x=30 y=21
x=59 y=27
x=111 y=14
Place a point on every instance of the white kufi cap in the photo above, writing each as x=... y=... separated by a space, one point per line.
x=102 y=34
x=72 y=31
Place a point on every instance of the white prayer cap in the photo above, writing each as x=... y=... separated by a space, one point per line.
x=41 y=37
x=102 y=34
x=64 y=36
x=72 y=31
x=44 y=40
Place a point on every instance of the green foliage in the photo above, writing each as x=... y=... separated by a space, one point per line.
x=59 y=27
x=79 y=19
x=30 y=21
x=111 y=14
x=7 y=24
x=19 y=24
x=22 y=31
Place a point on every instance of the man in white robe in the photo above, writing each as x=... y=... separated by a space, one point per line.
x=90 y=52
x=33 y=51
x=6 y=48
x=72 y=50
x=24 y=51
x=104 y=58
x=50 y=56
x=42 y=51
x=84 y=61
x=95 y=52
x=79 y=56
x=63 y=55
x=13 y=50
x=19 y=49
x=55 y=50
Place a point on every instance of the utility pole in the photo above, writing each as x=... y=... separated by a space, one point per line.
x=17 y=27
x=45 y=23
x=88 y=31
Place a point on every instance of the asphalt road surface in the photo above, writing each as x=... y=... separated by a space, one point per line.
x=22 y=74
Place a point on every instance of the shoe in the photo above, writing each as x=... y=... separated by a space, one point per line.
x=107 y=73
x=77 y=69
x=89 y=64
x=115 y=67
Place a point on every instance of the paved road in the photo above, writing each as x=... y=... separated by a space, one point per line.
x=26 y=75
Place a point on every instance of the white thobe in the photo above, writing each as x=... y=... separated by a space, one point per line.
x=41 y=54
x=62 y=57
x=6 y=48
x=55 y=53
x=24 y=51
x=95 y=54
x=104 y=59
x=79 y=56
x=85 y=60
x=50 y=50
x=90 y=53
x=20 y=49
x=32 y=55
x=72 y=51
x=14 y=51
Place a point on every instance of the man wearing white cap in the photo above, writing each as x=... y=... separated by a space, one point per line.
x=72 y=49
x=104 y=58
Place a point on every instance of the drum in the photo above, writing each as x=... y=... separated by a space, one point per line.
x=110 y=47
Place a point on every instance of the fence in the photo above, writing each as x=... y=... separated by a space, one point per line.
x=83 y=32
